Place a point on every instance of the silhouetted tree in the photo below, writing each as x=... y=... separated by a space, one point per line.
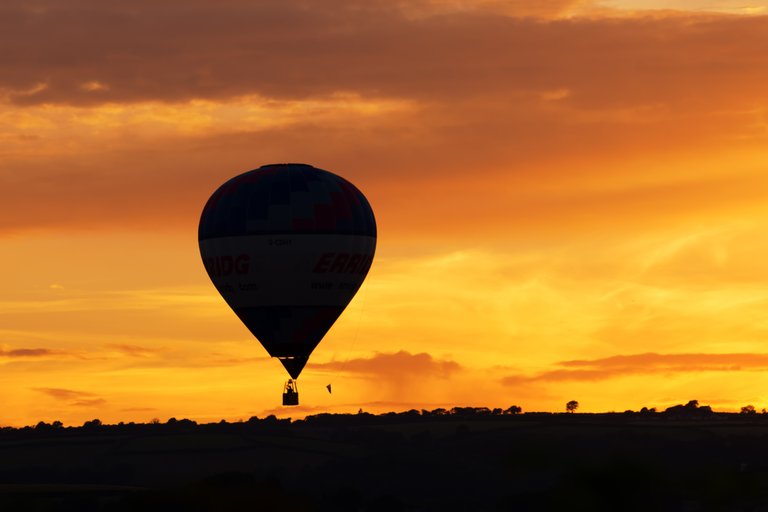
x=513 y=409
x=748 y=409
x=463 y=411
x=691 y=409
x=572 y=406
x=92 y=425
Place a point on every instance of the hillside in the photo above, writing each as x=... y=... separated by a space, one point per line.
x=466 y=459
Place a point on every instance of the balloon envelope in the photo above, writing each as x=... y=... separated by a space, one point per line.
x=287 y=246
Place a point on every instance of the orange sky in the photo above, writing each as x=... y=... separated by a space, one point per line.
x=570 y=200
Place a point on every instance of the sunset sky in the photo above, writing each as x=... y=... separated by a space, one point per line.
x=570 y=198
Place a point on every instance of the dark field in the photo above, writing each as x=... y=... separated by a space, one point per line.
x=468 y=460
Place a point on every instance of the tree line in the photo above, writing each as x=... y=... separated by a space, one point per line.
x=691 y=409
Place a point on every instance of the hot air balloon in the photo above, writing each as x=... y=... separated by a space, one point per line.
x=287 y=246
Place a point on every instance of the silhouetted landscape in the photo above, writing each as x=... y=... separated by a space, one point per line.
x=686 y=457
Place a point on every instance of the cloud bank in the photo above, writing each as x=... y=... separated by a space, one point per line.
x=92 y=51
x=397 y=365
x=643 y=364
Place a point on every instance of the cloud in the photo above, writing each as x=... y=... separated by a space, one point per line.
x=178 y=359
x=643 y=364
x=73 y=398
x=678 y=361
x=88 y=402
x=31 y=352
x=513 y=8
x=398 y=365
x=389 y=377
x=64 y=394
x=92 y=52
x=135 y=350
x=563 y=121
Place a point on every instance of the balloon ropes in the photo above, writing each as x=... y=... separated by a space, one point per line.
x=287 y=246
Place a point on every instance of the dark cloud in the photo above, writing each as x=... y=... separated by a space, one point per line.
x=94 y=51
x=73 y=398
x=643 y=364
x=30 y=352
x=134 y=350
x=65 y=394
x=398 y=365
x=652 y=360
x=89 y=402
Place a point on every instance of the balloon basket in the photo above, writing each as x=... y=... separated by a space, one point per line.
x=291 y=393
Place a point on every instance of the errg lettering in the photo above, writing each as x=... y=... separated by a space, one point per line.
x=220 y=266
x=343 y=263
